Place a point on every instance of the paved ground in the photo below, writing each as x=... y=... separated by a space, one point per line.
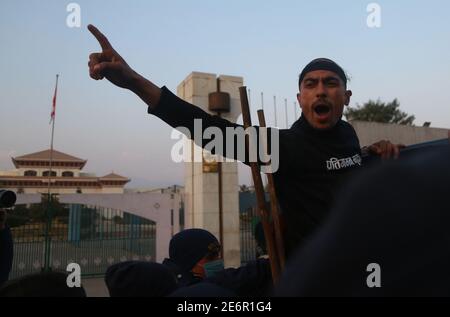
x=95 y=287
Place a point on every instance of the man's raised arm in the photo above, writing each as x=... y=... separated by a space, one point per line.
x=162 y=103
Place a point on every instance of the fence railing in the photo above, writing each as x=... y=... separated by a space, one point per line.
x=249 y=246
x=93 y=237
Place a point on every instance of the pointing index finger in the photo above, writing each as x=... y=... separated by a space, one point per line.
x=104 y=43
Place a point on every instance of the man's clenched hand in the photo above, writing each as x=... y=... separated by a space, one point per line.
x=386 y=149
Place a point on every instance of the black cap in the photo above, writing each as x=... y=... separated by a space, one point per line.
x=189 y=246
x=323 y=64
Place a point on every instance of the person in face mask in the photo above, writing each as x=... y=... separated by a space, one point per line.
x=194 y=254
x=194 y=257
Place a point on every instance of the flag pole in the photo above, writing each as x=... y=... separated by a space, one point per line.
x=47 y=227
x=53 y=117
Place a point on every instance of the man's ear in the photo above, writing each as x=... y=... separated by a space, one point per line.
x=298 y=99
x=348 y=94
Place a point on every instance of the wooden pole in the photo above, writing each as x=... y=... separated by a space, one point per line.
x=261 y=202
x=275 y=212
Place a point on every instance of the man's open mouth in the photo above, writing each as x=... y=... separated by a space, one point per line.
x=322 y=109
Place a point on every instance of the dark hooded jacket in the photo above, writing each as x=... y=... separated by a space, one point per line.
x=312 y=163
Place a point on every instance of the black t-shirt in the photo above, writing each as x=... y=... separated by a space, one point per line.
x=312 y=163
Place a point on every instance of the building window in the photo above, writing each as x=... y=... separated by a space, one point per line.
x=30 y=173
x=79 y=191
x=47 y=173
x=67 y=174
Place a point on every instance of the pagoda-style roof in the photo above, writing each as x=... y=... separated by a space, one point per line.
x=44 y=156
x=114 y=176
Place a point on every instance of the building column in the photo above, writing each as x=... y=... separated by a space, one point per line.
x=201 y=185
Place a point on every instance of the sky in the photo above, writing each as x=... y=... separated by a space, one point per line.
x=266 y=42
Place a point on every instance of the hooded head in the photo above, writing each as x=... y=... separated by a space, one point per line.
x=139 y=279
x=42 y=284
x=190 y=246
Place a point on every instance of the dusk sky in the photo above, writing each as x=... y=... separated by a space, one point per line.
x=265 y=42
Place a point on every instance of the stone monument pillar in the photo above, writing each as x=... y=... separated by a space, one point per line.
x=202 y=178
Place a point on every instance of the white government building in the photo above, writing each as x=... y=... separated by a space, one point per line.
x=31 y=176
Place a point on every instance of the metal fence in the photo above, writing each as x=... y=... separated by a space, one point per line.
x=49 y=238
x=249 y=247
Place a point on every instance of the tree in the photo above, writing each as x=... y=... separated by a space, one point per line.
x=377 y=111
x=244 y=188
x=118 y=220
x=19 y=216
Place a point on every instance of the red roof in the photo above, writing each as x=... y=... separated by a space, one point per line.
x=114 y=176
x=44 y=156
